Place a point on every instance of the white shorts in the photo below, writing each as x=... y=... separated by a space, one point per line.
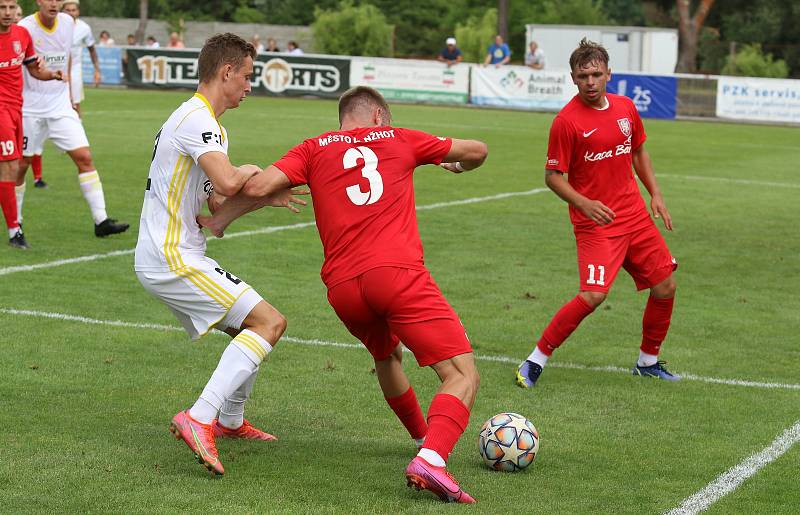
x=202 y=295
x=76 y=84
x=65 y=130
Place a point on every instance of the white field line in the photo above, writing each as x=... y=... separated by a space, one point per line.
x=264 y=230
x=735 y=476
x=747 y=182
x=327 y=343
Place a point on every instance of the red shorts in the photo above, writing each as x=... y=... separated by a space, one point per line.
x=10 y=133
x=386 y=305
x=644 y=254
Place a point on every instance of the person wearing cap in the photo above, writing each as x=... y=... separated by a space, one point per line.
x=450 y=54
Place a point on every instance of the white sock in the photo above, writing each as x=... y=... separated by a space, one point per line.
x=13 y=232
x=239 y=361
x=538 y=357
x=231 y=414
x=20 y=191
x=646 y=360
x=431 y=457
x=92 y=190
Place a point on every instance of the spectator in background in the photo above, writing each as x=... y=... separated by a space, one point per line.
x=272 y=45
x=498 y=54
x=535 y=57
x=18 y=15
x=292 y=48
x=131 y=40
x=105 y=39
x=152 y=42
x=450 y=54
x=257 y=44
x=175 y=41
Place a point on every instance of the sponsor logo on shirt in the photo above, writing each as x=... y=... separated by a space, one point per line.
x=552 y=162
x=17 y=61
x=619 y=150
x=54 y=59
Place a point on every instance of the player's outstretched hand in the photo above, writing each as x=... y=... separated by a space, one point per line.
x=287 y=198
x=209 y=223
x=659 y=209
x=598 y=212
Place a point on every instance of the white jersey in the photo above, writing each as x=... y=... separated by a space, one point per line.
x=177 y=188
x=81 y=37
x=48 y=98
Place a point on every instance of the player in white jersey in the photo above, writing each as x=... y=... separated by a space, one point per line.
x=81 y=37
x=190 y=168
x=47 y=112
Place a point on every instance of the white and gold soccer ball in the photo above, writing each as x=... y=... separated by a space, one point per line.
x=508 y=441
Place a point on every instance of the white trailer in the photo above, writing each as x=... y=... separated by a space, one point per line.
x=631 y=49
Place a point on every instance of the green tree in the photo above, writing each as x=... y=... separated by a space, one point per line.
x=475 y=35
x=352 y=30
x=750 y=61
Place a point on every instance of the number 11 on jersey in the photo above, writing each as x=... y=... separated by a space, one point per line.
x=601 y=270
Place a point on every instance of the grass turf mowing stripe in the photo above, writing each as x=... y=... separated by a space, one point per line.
x=325 y=343
x=746 y=182
x=266 y=230
x=735 y=476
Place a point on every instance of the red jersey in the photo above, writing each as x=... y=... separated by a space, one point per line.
x=593 y=147
x=16 y=49
x=362 y=187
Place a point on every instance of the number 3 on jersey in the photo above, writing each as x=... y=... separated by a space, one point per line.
x=369 y=171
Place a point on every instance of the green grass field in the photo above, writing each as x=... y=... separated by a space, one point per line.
x=85 y=406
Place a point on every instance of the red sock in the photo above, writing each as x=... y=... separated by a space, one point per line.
x=407 y=409
x=36 y=164
x=8 y=202
x=563 y=324
x=655 y=323
x=447 y=419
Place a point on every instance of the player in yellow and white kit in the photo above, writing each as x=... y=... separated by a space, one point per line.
x=190 y=168
x=47 y=113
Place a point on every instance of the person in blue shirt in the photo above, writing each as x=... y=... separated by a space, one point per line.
x=450 y=54
x=498 y=54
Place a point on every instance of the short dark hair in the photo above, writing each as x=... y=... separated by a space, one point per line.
x=586 y=53
x=363 y=98
x=220 y=50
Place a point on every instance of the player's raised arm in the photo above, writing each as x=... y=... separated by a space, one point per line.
x=38 y=71
x=644 y=170
x=268 y=188
x=226 y=178
x=465 y=154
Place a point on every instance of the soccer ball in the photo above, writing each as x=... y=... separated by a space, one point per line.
x=508 y=441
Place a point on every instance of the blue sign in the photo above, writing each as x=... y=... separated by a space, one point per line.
x=110 y=59
x=654 y=97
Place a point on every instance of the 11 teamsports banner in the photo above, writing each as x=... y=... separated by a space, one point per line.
x=767 y=100
x=273 y=74
x=412 y=81
x=653 y=96
x=521 y=87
